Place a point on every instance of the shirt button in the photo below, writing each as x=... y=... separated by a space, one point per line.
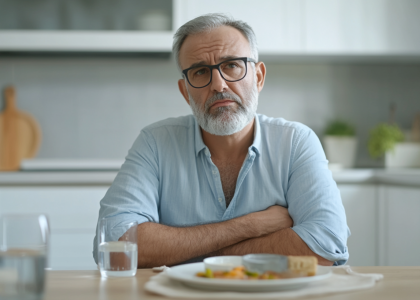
x=214 y=172
x=220 y=199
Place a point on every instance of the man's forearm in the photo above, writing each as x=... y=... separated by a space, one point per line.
x=164 y=245
x=284 y=242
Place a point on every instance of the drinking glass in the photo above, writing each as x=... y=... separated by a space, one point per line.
x=23 y=256
x=117 y=255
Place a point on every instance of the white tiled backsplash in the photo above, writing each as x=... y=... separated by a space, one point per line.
x=95 y=107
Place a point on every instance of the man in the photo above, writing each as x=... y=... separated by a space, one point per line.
x=226 y=181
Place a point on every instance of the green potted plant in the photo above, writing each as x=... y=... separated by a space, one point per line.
x=387 y=140
x=340 y=144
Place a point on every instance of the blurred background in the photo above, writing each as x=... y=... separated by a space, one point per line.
x=93 y=73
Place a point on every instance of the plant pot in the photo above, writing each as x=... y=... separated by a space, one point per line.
x=340 y=150
x=405 y=155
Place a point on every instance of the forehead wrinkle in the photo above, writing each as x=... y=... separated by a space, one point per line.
x=210 y=48
x=208 y=53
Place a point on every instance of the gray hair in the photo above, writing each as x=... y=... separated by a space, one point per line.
x=207 y=23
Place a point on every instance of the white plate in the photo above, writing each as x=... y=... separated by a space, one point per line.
x=187 y=275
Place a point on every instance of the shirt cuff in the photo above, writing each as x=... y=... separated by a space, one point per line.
x=336 y=253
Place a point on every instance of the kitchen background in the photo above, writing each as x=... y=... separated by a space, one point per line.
x=96 y=107
x=94 y=73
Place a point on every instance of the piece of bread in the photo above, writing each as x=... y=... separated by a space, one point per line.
x=304 y=265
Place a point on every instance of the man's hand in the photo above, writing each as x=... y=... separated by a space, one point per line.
x=271 y=220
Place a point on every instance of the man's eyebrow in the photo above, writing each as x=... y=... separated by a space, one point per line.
x=200 y=63
x=223 y=58
x=227 y=57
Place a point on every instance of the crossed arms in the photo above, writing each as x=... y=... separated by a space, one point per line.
x=266 y=231
x=308 y=189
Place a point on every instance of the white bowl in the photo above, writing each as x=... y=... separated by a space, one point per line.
x=222 y=263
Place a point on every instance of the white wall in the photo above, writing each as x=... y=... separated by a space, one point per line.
x=95 y=107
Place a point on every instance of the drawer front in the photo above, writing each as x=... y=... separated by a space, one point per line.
x=72 y=213
x=72 y=251
x=66 y=207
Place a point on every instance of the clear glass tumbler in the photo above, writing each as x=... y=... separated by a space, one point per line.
x=117 y=256
x=23 y=256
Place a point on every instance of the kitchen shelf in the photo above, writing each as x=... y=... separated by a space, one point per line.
x=85 y=41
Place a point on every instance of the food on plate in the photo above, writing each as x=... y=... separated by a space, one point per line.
x=303 y=264
x=298 y=266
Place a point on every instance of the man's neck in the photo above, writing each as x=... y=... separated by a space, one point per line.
x=230 y=147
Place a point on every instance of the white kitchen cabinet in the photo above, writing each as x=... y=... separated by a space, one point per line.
x=276 y=23
x=321 y=27
x=400 y=228
x=72 y=212
x=360 y=27
x=359 y=201
x=284 y=28
x=72 y=250
x=86 y=26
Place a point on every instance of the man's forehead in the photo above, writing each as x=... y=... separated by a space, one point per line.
x=213 y=46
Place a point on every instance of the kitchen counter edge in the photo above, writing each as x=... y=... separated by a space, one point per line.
x=408 y=177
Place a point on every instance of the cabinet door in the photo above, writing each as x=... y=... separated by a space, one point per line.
x=276 y=23
x=361 y=27
x=72 y=213
x=401 y=242
x=359 y=202
x=333 y=26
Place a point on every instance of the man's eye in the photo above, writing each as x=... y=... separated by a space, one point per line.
x=231 y=65
x=200 y=72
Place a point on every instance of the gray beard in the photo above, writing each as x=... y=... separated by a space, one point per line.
x=226 y=120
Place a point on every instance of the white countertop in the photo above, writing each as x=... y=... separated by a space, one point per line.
x=409 y=177
x=57 y=178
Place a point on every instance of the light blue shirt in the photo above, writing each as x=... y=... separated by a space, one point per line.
x=169 y=178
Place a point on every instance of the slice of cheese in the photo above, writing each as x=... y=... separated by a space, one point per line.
x=305 y=265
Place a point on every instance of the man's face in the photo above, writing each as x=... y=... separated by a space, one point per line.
x=221 y=108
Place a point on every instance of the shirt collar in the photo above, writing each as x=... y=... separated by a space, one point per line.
x=256 y=145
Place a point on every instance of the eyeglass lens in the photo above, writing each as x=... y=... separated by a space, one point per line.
x=231 y=71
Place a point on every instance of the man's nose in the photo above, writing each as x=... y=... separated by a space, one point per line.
x=218 y=84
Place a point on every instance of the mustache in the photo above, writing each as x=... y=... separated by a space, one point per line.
x=222 y=96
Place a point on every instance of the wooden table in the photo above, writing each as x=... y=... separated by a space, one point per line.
x=398 y=283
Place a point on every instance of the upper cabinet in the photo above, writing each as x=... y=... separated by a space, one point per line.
x=383 y=27
x=283 y=27
x=321 y=27
x=86 y=25
x=276 y=23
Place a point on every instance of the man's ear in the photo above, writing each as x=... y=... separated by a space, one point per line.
x=183 y=89
x=260 y=72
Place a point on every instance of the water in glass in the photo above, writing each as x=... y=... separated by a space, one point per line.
x=117 y=259
x=23 y=256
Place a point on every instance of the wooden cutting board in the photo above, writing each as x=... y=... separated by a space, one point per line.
x=20 y=134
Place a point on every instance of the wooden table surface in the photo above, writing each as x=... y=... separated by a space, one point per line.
x=398 y=283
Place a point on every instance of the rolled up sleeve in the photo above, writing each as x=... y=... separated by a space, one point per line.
x=134 y=194
x=314 y=201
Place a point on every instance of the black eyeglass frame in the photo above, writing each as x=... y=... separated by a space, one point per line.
x=211 y=67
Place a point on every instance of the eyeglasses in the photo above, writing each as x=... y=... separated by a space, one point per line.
x=231 y=70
